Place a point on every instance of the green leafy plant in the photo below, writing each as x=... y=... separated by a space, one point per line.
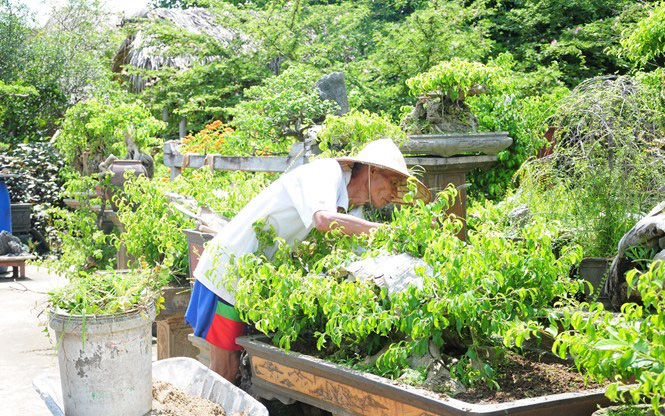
x=80 y=243
x=347 y=134
x=485 y=296
x=38 y=181
x=626 y=348
x=282 y=106
x=96 y=128
x=606 y=159
x=453 y=79
x=109 y=292
x=153 y=227
x=646 y=41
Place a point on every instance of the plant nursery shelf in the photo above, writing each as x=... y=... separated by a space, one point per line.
x=344 y=391
x=176 y=161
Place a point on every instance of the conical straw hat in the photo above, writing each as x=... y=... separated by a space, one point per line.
x=384 y=154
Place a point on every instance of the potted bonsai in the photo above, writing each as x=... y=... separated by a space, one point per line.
x=102 y=324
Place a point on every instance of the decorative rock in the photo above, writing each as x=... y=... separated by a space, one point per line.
x=439 y=378
x=519 y=215
x=394 y=272
x=650 y=231
x=10 y=245
x=661 y=242
x=332 y=87
x=659 y=256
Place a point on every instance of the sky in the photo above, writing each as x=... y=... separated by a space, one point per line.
x=42 y=8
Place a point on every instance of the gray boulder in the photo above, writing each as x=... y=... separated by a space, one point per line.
x=333 y=87
x=10 y=245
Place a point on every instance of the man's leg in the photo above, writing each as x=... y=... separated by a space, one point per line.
x=226 y=363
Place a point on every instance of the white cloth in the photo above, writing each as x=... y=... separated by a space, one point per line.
x=288 y=204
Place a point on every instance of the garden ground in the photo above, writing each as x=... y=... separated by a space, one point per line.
x=25 y=351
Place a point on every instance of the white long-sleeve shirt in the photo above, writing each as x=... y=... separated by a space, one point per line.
x=288 y=204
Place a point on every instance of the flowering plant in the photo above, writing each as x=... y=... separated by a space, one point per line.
x=212 y=139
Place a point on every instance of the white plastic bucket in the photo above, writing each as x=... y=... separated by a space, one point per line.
x=111 y=373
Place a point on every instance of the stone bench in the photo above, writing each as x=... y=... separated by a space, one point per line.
x=17 y=262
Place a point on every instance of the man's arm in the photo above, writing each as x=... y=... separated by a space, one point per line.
x=350 y=225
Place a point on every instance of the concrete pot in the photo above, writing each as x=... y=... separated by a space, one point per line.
x=594 y=270
x=21 y=216
x=195 y=243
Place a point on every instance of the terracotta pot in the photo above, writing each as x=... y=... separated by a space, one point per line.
x=548 y=149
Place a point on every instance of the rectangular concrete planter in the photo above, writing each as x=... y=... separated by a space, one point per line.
x=344 y=391
x=195 y=242
x=21 y=216
x=594 y=270
x=172 y=334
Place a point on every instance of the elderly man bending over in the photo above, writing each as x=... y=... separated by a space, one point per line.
x=316 y=195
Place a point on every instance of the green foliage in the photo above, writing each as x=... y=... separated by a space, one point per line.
x=607 y=156
x=83 y=245
x=285 y=105
x=440 y=31
x=646 y=42
x=453 y=79
x=576 y=35
x=96 y=128
x=109 y=292
x=216 y=72
x=492 y=293
x=153 y=227
x=225 y=193
x=510 y=101
x=606 y=168
x=38 y=180
x=58 y=62
x=627 y=347
x=347 y=134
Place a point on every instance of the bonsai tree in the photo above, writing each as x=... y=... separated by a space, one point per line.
x=98 y=127
x=281 y=107
x=441 y=92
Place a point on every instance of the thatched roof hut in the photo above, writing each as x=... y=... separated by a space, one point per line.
x=141 y=51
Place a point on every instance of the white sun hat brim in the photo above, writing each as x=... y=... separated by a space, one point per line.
x=384 y=154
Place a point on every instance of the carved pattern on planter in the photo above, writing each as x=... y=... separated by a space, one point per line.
x=321 y=388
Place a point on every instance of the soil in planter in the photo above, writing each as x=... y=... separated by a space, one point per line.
x=168 y=400
x=520 y=378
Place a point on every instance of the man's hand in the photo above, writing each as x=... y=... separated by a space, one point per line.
x=348 y=224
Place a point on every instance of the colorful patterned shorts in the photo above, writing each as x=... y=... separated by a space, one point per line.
x=214 y=319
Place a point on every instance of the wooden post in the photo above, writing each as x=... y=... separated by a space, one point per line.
x=183 y=128
x=437 y=178
x=441 y=171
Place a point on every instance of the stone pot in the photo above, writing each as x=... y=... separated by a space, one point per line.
x=21 y=216
x=594 y=270
x=118 y=168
